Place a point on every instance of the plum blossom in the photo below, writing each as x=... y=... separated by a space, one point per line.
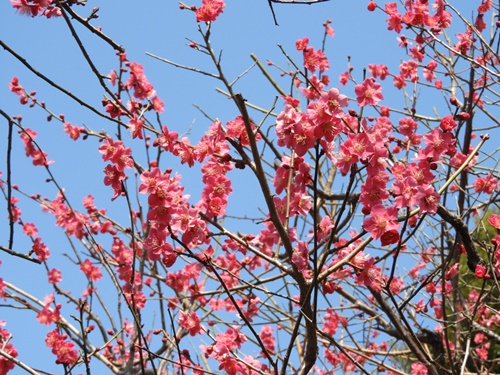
x=190 y=322
x=381 y=221
x=428 y=199
x=5 y=364
x=91 y=271
x=139 y=83
x=368 y=93
x=32 y=150
x=210 y=10
x=64 y=350
x=300 y=256
x=487 y=184
x=315 y=60
x=447 y=123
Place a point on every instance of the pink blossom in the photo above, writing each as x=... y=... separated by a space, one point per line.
x=210 y=10
x=64 y=350
x=346 y=158
x=91 y=271
x=115 y=152
x=486 y=184
x=494 y=220
x=281 y=179
x=368 y=93
x=72 y=131
x=373 y=192
x=190 y=322
x=113 y=108
x=231 y=366
x=396 y=285
x=300 y=203
x=481 y=272
x=417 y=15
x=328 y=29
x=370 y=276
x=324 y=228
x=331 y=322
x=114 y=178
x=112 y=77
x=150 y=181
x=359 y=144
x=313 y=89
x=139 y=83
x=485 y=6
x=328 y=109
x=382 y=219
x=428 y=199
x=418 y=368
x=409 y=70
x=390 y=237
x=415 y=271
x=166 y=140
x=135 y=127
x=300 y=256
x=482 y=353
x=394 y=20
x=40 y=158
x=184 y=150
x=158 y=104
x=376 y=71
x=3 y=294
x=447 y=123
x=49 y=315
x=41 y=251
x=30 y=7
x=405 y=191
x=301 y=44
x=429 y=71
x=344 y=78
x=5 y=364
x=416 y=53
x=438 y=143
x=266 y=335
x=55 y=276
x=464 y=43
x=451 y=272
x=237 y=129
x=314 y=60
x=30 y=229
x=459 y=159
x=399 y=81
x=15 y=87
x=407 y=126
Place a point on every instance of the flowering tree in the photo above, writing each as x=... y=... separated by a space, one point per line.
x=375 y=246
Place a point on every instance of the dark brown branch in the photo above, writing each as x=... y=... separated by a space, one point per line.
x=55 y=85
x=16 y=254
x=93 y=29
x=406 y=335
x=473 y=258
x=9 y=179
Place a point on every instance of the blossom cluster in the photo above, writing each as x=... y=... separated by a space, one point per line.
x=210 y=10
x=39 y=157
x=5 y=364
x=34 y=8
x=63 y=349
x=141 y=91
x=119 y=156
x=225 y=343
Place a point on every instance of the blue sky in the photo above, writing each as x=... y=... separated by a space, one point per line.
x=158 y=27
